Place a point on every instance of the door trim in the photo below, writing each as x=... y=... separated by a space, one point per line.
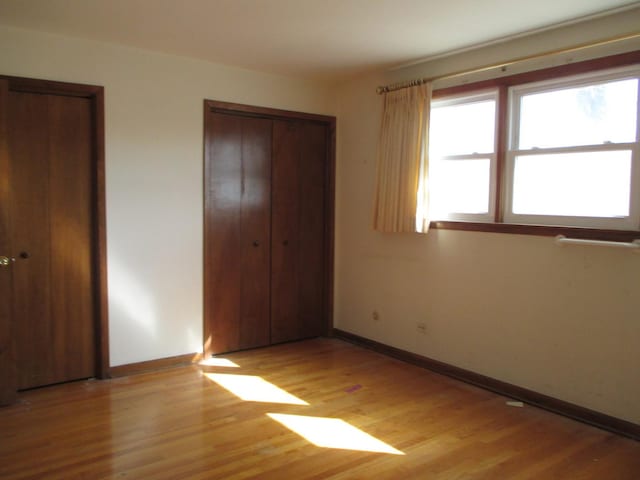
x=95 y=94
x=277 y=114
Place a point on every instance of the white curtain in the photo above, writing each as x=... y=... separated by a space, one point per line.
x=401 y=194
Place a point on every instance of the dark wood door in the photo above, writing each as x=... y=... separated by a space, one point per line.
x=7 y=363
x=298 y=230
x=50 y=148
x=237 y=232
x=268 y=226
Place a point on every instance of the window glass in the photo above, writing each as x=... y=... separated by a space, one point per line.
x=584 y=184
x=460 y=186
x=462 y=128
x=587 y=115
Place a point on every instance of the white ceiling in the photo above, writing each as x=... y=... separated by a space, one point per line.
x=318 y=39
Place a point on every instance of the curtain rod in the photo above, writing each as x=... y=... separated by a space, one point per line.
x=420 y=81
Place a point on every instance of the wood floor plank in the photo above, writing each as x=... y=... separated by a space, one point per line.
x=178 y=423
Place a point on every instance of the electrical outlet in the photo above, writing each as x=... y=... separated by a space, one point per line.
x=375 y=316
x=421 y=327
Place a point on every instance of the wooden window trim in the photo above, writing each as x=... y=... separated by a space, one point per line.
x=503 y=84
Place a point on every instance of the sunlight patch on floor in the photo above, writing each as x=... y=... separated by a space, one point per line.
x=333 y=433
x=218 y=362
x=253 y=388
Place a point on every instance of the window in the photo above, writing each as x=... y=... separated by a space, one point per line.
x=569 y=155
x=462 y=157
x=572 y=151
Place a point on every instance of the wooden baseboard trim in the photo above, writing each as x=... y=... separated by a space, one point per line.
x=151 y=365
x=576 y=412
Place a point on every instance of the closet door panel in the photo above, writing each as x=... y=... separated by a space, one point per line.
x=255 y=221
x=222 y=223
x=297 y=277
x=311 y=224
x=237 y=225
x=285 y=232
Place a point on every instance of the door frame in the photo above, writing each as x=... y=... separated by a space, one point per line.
x=95 y=94
x=329 y=198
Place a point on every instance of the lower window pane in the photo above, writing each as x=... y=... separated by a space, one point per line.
x=584 y=184
x=459 y=186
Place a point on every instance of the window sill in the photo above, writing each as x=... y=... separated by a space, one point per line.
x=540 y=230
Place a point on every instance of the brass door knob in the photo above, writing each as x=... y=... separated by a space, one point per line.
x=5 y=261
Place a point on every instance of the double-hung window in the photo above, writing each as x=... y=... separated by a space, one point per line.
x=574 y=152
x=462 y=157
x=562 y=152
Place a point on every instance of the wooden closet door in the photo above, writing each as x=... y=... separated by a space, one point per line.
x=237 y=232
x=298 y=230
x=50 y=154
x=8 y=385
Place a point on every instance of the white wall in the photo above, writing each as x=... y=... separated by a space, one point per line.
x=154 y=124
x=561 y=321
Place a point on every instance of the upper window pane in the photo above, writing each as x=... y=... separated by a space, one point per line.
x=462 y=128
x=587 y=115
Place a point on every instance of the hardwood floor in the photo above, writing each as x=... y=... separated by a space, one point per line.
x=180 y=424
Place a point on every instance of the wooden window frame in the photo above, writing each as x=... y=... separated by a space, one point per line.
x=503 y=84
